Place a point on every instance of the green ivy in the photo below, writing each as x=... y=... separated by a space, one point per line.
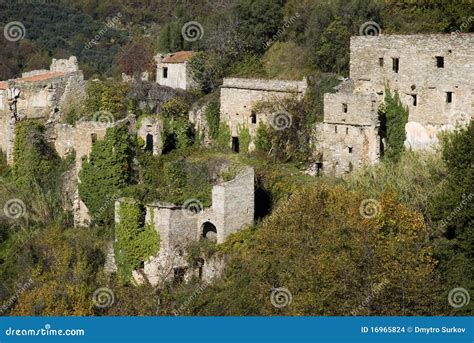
x=108 y=96
x=106 y=172
x=244 y=138
x=212 y=116
x=396 y=116
x=223 y=139
x=136 y=240
x=263 y=138
x=34 y=159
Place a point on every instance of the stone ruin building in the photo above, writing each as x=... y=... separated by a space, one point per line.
x=38 y=94
x=433 y=74
x=172 y=70
x=233 y=207
x=239 y=98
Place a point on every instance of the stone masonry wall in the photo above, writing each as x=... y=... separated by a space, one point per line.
x=430 y=66
x=232 y=209
x=239 y=96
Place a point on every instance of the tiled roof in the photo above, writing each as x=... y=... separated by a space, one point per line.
x=178 y=57
x=40 y=77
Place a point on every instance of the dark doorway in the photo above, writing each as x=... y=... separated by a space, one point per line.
x=149 y=143
x=235 y=144
x=263 y=201
x=209 y=231
x=171 y=142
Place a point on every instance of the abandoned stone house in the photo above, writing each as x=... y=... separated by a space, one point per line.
x=38 y=94
x=433 y=74
x=239 y=98
x=172 y=70
x=232 y=209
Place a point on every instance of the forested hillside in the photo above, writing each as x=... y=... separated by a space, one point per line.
x=404 y=226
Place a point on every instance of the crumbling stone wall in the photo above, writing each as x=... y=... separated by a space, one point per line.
x=78 y=139
x=232 y=209
x=239 y=97
x=349 y=135
x=43 y=95
x=151 y=131
x=429 y=67
x=433 y=75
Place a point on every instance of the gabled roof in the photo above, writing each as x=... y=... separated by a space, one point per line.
x=178 y=57
x=40 y=77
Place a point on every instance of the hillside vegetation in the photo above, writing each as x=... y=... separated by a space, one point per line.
x=402 y=227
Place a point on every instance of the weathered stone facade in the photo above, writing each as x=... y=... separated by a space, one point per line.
x=78 y=139
x=433 y=75
x=39 y=94
x=172 y=70
x=233 y=207
x=151 y=131
x=240 y=96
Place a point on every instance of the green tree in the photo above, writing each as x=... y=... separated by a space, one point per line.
x=453 y=212
x=331 y=258
x=394 y=117
x=106 y=173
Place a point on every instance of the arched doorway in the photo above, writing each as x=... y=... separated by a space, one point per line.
x=209 y=231
x=149 y=143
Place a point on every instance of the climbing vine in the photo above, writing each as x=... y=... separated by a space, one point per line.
x=394 y=117
x=136 y=240
x=107 y=96
x=34 y=159
x=106 y=172
x=244 y=138
x=223 y=139
x=212 y=117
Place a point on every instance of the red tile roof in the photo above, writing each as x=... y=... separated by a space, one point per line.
x=178 y=57
x=40 y=77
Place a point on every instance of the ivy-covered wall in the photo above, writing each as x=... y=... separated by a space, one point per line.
x=34 y=159
x=394 y=117
x=106 y=173
x=135 y=241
